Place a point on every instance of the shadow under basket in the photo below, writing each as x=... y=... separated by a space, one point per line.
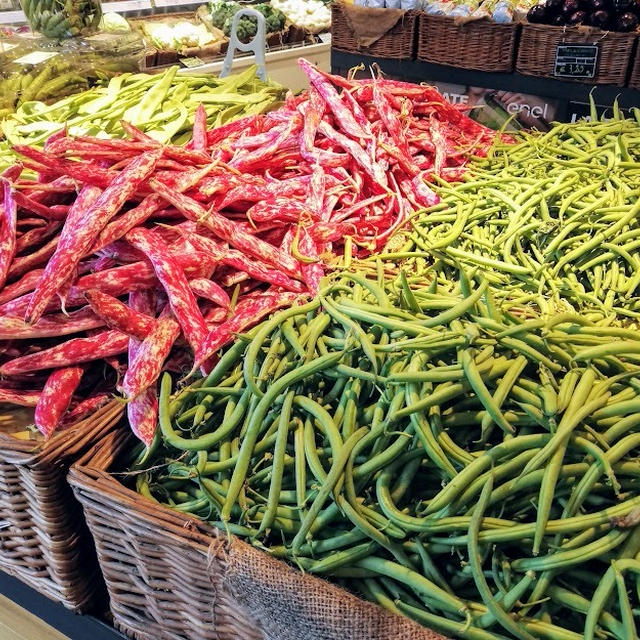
x=172 y=577
x=481 y=45
x=44 y=541
x=538 y=44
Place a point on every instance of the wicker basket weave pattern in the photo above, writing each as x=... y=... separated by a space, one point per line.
x=165 y=579
x=398 y=43
x=43 y=539
x=479 y=44
x=538 y=43
x=634 y=76
x=174 y=578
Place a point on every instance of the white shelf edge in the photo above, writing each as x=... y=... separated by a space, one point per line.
x=271 y=56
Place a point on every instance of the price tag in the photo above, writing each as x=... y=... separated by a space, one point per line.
x=5 y=46
x=191 y=63
x=36 y=57
x=325 y=38
x=576 y=60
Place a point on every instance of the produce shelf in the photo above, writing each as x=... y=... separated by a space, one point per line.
x=417 y=71
x=76 y=627
x=282 y=64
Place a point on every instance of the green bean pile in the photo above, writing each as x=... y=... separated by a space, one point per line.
x=473 y=469
x=554 y=219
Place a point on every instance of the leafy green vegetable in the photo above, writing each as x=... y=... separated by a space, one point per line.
x=222 y=13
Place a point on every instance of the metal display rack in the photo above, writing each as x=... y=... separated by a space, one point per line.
x=563 y=91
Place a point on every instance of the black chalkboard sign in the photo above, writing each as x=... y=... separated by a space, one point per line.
x=576 y=60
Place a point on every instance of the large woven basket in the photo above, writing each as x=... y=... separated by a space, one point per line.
x=477 y=44
x=634 y=76
x=43 y=539
x=397 y=43
x=537 y=51
x=171 y=577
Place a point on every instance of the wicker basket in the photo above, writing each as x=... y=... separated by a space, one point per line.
x=537 y=51
x=477 y=44
x=171 y=577
x=397 y=43
x=634 y=76
x=43 y=539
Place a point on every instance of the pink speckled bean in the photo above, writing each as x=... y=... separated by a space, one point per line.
x=174 y=281
x=75 y=242
x=209 y=290
x=74 y=351
x=146 y=366
x=55 y=398
x=118 y=315
x=19 y=397
x=248 y=312
x=7 y=230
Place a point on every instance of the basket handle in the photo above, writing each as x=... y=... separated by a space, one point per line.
x=256 y=44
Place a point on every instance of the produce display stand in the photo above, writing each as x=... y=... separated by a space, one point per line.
x=566 y=92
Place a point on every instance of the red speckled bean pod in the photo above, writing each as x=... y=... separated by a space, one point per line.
x=239 y=261
x=19 y=397
x=72 y=352
x=85 y=172
x=49 y=326
x=116 y=282
x=199 y=138
x=373 y=169
x=8 y=230
x=36 y=236
x=248 y=312
x=117 y=315
x=174 y=281
x=150 y=205
x=73 y=246
x=83 y=408
x=228 y=231
x=142 y=411
x=13 y=172
x=133 y=132
x=332 y=98
x=25 y=202
x=312 y=272
x=209 y=290
x=24 y=285
x=41 y=191
x=146 y=366
x=313 y=111
x=227 y=131
x=24 y=264
x=55 y=398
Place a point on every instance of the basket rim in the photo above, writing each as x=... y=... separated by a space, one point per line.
x=92 y=473
x=458 y=21
x=582 y=29
x=63 y=444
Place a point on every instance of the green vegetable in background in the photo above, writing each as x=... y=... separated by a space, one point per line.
x=222 y=13
x=162 y=105
x=62 y=18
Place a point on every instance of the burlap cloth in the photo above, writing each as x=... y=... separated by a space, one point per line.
x=369 y=25
x=289 y=605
